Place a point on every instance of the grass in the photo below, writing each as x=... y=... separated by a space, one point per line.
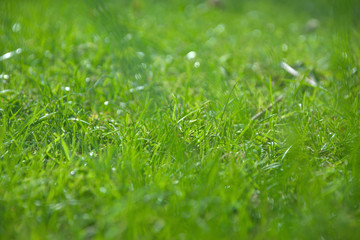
x=110 y=129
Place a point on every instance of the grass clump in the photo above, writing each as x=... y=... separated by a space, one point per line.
x=134 y=119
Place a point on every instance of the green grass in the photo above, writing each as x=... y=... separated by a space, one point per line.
x=109 y=131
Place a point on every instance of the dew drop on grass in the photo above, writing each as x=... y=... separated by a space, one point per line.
x=57 y=207
x=158 y=225
x=67 y=89
x=128 y=37
x=354 y=70
x=284 y=47
x=169 y=58
x=179 y=193
x=72 y=173
x=48 y=54
x=10 y=54
x=106 y=103
x=312 y=25
x=91 y=154
x=138 y=76
x=16 y=27
x=255 y=67
x=140 y=54
x=196 y=64
x=191 y=55
x=224 y=58
x=103 y=190
x=223 y=71
x=219 y=28
x=4 y=76
x=139 y=88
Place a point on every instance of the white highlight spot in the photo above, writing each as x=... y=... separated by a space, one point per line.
x=220 y=28
x=284 y=47
x=102 y=190
x=140 y=54
x=16 y=27
x=191 y=55
x=4 y=76
x=10 y=54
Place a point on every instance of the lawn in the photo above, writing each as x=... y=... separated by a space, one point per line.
x=181 y=119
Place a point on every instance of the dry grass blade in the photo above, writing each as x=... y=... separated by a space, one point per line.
x=295 y=73
x=256 y=116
